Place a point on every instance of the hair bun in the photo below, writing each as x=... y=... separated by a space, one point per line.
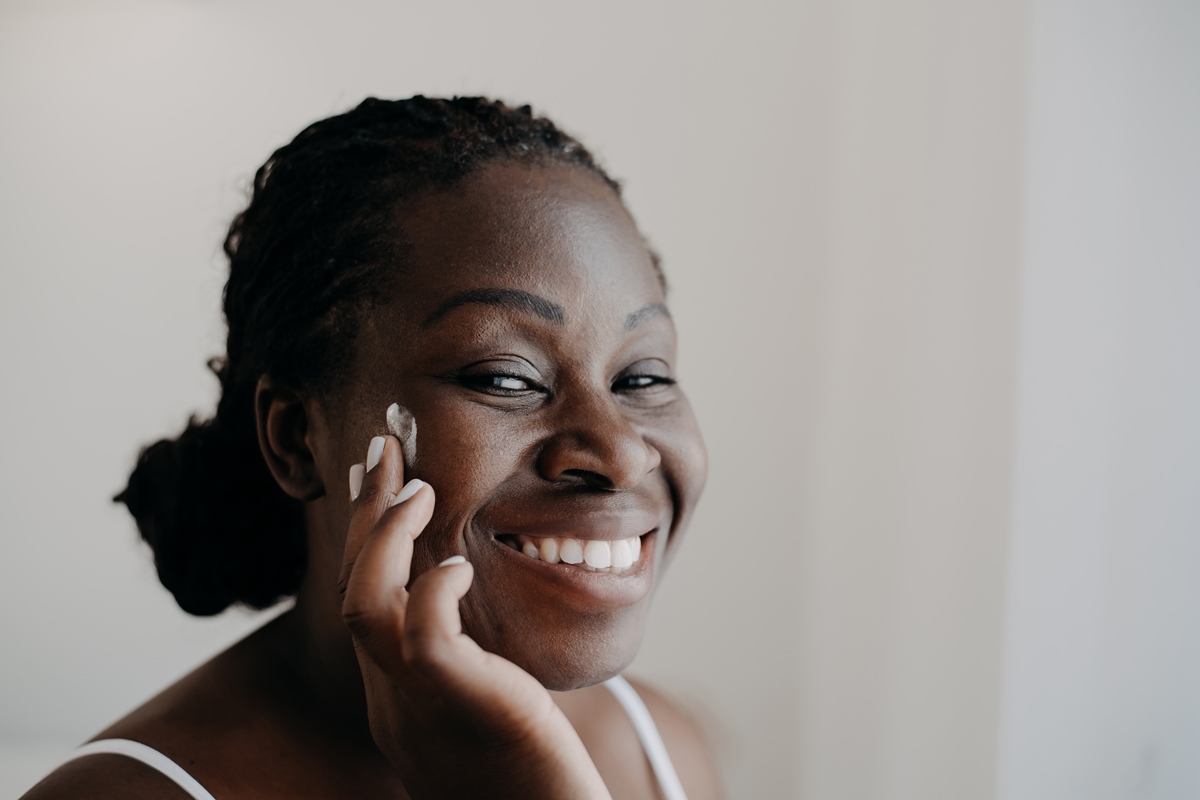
x=221 y=530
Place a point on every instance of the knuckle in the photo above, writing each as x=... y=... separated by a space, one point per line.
x=359 y=620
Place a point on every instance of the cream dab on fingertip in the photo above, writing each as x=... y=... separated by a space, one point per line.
x=452 y=560
x=403 y=425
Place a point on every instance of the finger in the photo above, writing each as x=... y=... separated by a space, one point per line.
x=375 y=600
x=383 y=478
x=372 y=493
x=433 y=625
x=389 y=545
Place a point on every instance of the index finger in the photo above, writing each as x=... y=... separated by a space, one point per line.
x=377 y=491
x=376 y=598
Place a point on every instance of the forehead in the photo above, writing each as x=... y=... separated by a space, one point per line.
x=553 y=230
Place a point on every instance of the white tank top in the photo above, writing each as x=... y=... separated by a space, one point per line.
x=626 y=695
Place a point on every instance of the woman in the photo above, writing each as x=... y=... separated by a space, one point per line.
x=462 y=276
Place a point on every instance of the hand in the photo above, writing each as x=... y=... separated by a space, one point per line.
x=454 y=720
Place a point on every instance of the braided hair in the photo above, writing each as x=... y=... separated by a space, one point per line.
x=316 y=242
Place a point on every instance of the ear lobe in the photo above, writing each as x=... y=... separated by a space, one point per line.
x=283 y=428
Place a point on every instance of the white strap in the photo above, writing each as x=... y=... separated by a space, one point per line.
x=647 y=731
x=151 y=758
x=626 y=695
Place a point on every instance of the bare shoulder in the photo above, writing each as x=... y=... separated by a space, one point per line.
x=105 y=777
x=690 y=750
x=611 y=740
x=207 y=724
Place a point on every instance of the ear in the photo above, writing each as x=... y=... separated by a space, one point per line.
x=283 y=436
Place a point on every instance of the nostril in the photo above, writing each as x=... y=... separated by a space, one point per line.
x=594 y=479
x=609 y=454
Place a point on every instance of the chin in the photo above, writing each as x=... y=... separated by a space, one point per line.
x=580 y=653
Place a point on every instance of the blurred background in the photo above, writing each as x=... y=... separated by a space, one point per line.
x=936 y=267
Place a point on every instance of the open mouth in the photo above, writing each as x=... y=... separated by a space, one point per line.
x=593 y=555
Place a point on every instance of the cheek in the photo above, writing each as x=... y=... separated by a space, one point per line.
x=685 y=467
x=685 y=458
x=463 y=454
x=466 y=455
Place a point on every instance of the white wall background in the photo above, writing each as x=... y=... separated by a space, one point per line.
x=1101 y=692
x=936 y=266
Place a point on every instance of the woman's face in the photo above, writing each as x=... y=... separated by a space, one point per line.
x=527 y=335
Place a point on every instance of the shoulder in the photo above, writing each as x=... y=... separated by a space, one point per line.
x=611 y=740
x=196 y=726
x=689 y=748
x=103 y=776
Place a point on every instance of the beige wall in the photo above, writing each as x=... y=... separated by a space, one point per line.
x=907 y=464
x=1101 y=677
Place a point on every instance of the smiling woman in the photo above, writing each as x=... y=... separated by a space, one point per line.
x=463 y=611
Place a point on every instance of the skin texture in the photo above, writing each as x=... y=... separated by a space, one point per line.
x=549 y=412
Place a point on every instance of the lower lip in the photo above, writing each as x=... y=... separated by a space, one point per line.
x=596 y=590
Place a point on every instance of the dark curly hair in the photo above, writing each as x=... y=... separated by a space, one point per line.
x=316 y=241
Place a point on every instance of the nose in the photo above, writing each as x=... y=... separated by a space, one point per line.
x=596 y=445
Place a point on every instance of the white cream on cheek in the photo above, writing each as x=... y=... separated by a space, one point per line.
x=403 y=425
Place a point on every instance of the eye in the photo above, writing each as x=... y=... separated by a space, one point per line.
x=635 y=382
x=499 y=383
x=643 y=377
x=509 y=383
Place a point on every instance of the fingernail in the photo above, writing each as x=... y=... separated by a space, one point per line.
x=356 y=478
x=374 y=452
x=452 y=560
x=410 y=488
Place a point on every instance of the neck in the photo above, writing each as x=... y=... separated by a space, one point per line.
x=321 y=661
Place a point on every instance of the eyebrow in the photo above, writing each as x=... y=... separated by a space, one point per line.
x=505 y=298
x=646 y=314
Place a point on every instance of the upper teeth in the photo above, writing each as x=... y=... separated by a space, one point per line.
x=593 y=554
